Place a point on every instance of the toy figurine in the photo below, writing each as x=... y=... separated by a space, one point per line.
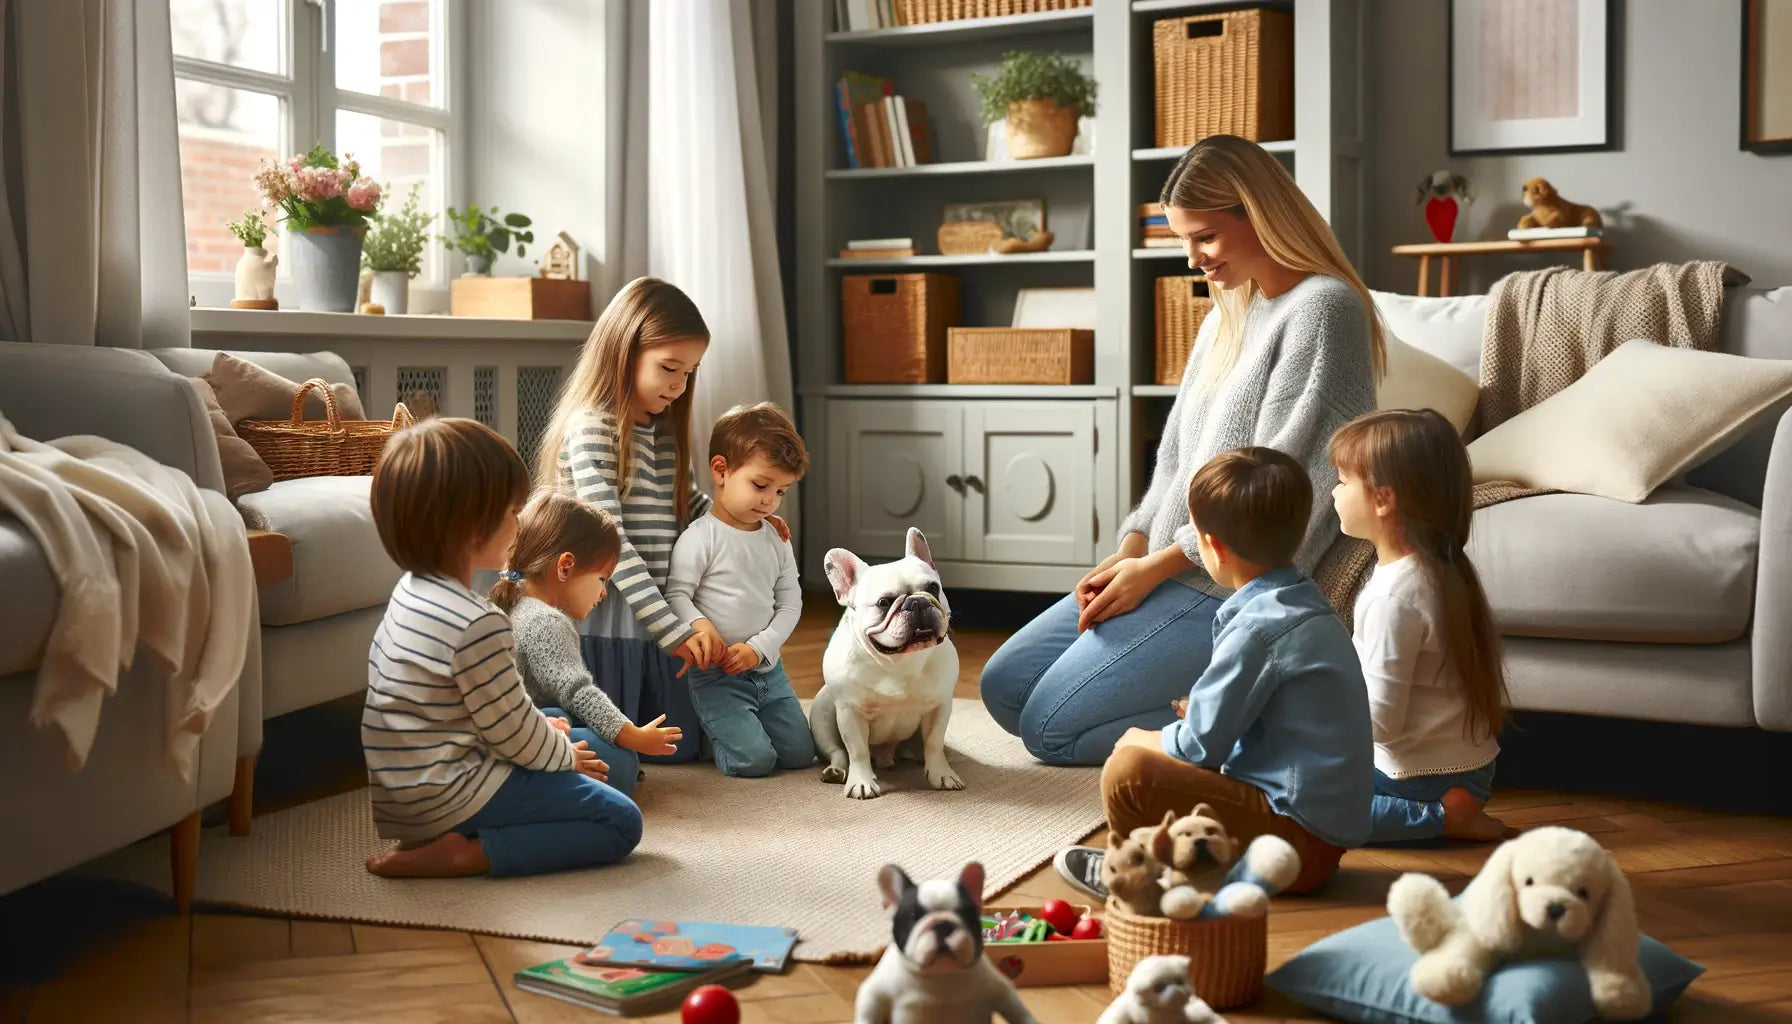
x=1443 y=194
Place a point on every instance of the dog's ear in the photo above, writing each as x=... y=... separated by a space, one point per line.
x=1424 y=187
x=917 y=546
x=1115 y=840
x=892 y=882
x=844 y=569
x=1163 y=844
x=1490 y=903
x=1460 y=184
x=971 y=881
x=1612 y=942
x=1203 y=810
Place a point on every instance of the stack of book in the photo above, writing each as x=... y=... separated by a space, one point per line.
x=878 y=249
x=881 y=129
x=1532 y=234
x=1154 y=228
x=644 y=967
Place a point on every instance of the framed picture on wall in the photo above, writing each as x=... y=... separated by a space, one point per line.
x=1767 y=76
x=1531 y=76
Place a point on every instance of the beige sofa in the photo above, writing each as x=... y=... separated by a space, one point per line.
x=1677 y=609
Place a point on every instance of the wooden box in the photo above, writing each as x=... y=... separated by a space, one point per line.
x=1064 y=962
x=894 y=326
x=520 y=298
x=1182 y=303
x=1020 y=355
x=1224 y=74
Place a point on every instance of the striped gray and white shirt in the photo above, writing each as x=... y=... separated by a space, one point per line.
x=446 y=716
x=648 y=518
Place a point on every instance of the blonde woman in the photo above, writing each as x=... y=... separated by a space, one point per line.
x=1290 y=353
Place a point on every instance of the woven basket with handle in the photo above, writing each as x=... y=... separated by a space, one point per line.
x=1226 y=955
x=332 y=446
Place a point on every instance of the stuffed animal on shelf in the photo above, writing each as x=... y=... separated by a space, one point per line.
x=1550 y=210
x=1551 y=892
x=1443 y=195
x=1158 y=992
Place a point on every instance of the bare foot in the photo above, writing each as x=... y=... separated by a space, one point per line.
x=1465 y=819
x=450 y=855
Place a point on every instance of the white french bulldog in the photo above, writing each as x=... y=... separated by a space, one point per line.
x=888 y=673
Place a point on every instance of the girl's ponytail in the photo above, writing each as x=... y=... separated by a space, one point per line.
x=508 y=590
x=553 y=523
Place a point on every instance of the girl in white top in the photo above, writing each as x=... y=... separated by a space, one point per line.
x=1429 y=648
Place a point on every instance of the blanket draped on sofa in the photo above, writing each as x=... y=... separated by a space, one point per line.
x=1543 y=330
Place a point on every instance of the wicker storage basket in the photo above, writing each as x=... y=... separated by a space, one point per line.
x=894 y=326
x=1226 y=955
x=923 y=12
x=1020 y=355
x=1224 y=74
x=1182 y=304
x=331 y=446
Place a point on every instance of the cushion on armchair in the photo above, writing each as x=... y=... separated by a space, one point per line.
x=250 y=392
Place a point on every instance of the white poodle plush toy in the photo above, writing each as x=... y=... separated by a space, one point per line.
x=1158 y=992
x=1552 y=892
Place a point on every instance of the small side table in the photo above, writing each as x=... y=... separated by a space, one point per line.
x=1448 y=254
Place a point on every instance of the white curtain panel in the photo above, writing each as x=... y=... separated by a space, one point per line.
x=92 y=243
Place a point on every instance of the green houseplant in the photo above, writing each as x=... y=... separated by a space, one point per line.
x=1039 y=96
x=255 y=268
x=482 y=234
x=393 y=250
x=325 y=204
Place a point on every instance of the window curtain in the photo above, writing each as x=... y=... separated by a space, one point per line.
x=92 y=242
x=692 y=93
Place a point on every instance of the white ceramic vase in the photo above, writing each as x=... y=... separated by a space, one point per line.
x=392 y=290
x=255 y=274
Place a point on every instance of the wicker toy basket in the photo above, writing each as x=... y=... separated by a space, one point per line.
x=1226 y=955
x=332 y=446
x=1224 y=74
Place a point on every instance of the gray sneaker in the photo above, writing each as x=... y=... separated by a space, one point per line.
x=1081 y=867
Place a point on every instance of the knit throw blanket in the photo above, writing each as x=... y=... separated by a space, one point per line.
x=1543 y=330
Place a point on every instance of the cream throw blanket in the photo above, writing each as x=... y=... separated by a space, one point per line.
x=1543 y=330
x=145 y=560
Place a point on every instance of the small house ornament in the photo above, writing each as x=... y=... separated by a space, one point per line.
x=562 y=260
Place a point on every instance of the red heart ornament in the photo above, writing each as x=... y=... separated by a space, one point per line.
x=1010 y=966
x=1440 y=215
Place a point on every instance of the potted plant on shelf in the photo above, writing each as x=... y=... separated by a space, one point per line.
x=482 y=234
x=255 y=268
x=1040 y=96
x=394 y=252
x=326 y=205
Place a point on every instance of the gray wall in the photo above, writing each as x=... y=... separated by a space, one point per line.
x=1678 y=188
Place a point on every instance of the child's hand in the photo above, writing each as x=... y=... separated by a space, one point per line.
x=560 y=723
x=585 y=762
x=700 y=649
x=781 y=526
x=740 y=658
x=1181 y=706
x=651 y=738
x=711 y=644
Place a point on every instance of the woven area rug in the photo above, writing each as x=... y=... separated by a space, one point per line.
x=788 y=850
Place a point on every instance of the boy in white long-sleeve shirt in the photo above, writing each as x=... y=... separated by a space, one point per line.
x=736 y=577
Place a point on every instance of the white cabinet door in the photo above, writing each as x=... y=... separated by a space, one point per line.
x=1030 y=482
x=892 y=465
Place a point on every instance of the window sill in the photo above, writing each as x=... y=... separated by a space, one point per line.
x=412 y=327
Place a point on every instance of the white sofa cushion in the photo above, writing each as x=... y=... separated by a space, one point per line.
x=1678 y=568
x=1416 y=379
x=1636 y=419
x=1448 y=328
x=338 y=564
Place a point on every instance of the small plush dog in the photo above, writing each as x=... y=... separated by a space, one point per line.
x=1551 y=892
x=1158 y=992
x=1200 y=850
x=888 y=672
x=1550 y=210
x=934 y=970
x=1138 y=878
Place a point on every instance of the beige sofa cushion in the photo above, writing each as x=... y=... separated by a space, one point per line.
x=338 y=564
x=1638 y=418
x=1416 y=379
x=1448 y=327
x=1678 y=568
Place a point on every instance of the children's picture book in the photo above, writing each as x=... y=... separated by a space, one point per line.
x=692 y=945
x=625 y=991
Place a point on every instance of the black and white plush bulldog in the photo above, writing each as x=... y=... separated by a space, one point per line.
x=934 y=970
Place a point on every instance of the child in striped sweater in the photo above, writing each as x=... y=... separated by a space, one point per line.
x=465 y=772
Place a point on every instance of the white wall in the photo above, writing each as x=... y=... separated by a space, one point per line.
x=536 y=120
x=1678 y=188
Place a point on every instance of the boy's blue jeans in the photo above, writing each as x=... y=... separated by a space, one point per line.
x=1411 y=809
x=554 y=821
x=1070 y=696
x=753 y=720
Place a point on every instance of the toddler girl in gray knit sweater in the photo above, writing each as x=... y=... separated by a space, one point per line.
x=565 y=551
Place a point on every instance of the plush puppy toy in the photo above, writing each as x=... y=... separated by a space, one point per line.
x=1550 y=210
x=1158 y=992
x=1136 y=873
x=1551 y=892
x=1201 y=847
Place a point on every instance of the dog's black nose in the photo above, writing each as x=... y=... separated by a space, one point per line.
x=916 y=603
x=1556 y=910
x=943 y=929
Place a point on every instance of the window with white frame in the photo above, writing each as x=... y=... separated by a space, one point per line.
x=265 y=80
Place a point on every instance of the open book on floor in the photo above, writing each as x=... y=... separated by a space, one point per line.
x=692 y=945
x=624 y=991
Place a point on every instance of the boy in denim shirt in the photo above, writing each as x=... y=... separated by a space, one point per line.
x=1276 y=734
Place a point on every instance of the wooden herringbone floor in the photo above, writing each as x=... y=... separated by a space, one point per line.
x=1717 y=887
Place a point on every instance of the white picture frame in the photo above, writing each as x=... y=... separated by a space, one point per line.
x=1520 y=85
x=1054 y=307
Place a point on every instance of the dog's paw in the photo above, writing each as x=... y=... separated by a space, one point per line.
x=1450 y=980
x=833 y=773
x=1620 y=996
x=862 y=787
x=1422 y=911
x=943 y=777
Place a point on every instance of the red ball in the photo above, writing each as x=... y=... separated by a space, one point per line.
x=1087 y=928
x=1060 y=915
x=710 y=1004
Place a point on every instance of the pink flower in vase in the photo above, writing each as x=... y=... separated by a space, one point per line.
x=364 y=194
x=319 y=183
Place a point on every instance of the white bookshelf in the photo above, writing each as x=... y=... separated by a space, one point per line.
x=1017 y=487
